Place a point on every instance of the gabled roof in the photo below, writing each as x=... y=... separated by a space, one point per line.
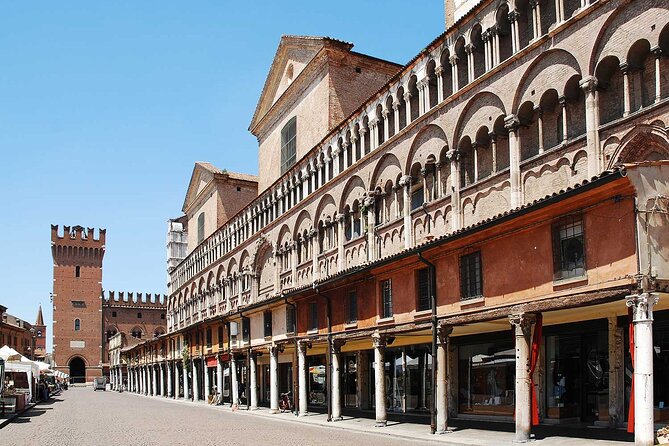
x=307 y=47
x=203 y=174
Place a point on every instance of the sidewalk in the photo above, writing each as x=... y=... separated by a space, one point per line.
x=9 y=417
x=468 y=433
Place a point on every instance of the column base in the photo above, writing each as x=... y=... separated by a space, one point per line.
x=274 y=411
x=253 y=408
x=380 y=423
x=337 y=418
x=447 y=431
x=302 y=414
x=529 y=440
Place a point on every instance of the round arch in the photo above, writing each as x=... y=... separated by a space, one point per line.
x=77 y=367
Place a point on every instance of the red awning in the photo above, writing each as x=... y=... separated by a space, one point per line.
x=211 y=362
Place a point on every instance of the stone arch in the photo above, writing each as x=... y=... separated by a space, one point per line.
x=624 y=26
x=264 y=265
x=77 y=368
x=429 y=141
x=482 y=109
x=326 y=207
x=643 y=143
x=302 y=223
x=232 y=267
x=387 y=167
x=552 y=68
x=353 y=190
x=284 y=235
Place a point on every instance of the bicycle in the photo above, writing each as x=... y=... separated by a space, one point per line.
x=285 y=403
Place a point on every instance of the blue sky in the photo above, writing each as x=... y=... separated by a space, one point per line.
x=105 y=106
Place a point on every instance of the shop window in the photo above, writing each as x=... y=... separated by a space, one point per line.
x=313 y=316
x=352 y=307
x=386 y=299
x=423 y=289
x=568 y=248
x=471 y=277
x=288 y=145
x=246 y=330
x=209 y=341
x=290 y=319
x=267 y=324
x=220 y=336
x=77 y=325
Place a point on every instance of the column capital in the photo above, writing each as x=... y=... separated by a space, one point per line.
x=453 y=59
x=642 y=305
x=524 y=321
x=340 y=217
x=538 y=109
x=469 y=48
x=492 y=136
x=405 y=181
x=302 y=346
x=443 y=332
x=362 y=130
x=588 y=84
x=407 y=96
x=511 y=122
x=514 y=15
x=625 y=67
x=453 y=154
x=337 y=344
x=378 y=340
x=562 y=100
x=438 y=70
x=657 y=51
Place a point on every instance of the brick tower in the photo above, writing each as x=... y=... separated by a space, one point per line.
x=77 y=306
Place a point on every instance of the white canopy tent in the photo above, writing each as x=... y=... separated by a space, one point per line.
x=16 y=362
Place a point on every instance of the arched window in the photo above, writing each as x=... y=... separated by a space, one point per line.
x=200 y=228
x=136 y=333
x=288 y=145
x=77 y=325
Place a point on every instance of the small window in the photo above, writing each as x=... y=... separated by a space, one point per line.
x=200 y=228
x=267 y=323
x=313 y=316
x=209 y=339
x=386 y=299
x=417 y=198
x=77 y=271
x=288 y=145
x=77 y=325
x=136 y=333
x=568 y=248
x=423 y=289
x=246 y=330
x=290 y=319
x=239 y=189
x=139 y=315
x=39 y=333
x=233 y=329
x=162 y=315
x=78 y=304
x=113 y=313
x=352 y=307
x=471 y=277
x=220 y=336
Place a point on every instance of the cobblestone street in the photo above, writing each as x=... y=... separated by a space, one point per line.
x=81 y=416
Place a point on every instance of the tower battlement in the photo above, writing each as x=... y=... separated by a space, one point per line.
x=133 y=299
x=78 y=234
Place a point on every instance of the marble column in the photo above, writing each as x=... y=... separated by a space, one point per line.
x=302 y=377
x=442 y=378
x=379 y=342
x=589 y=86
x=219 y=376
x=274 y=379
x=196 y=382
x=522 y=324
x=405 y=182
x=512 y=124
x=233 y=378
x=336 y=379
x=253 y=384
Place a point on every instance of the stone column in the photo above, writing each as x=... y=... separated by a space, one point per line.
x=565 y=123
x=442 y=378
x=302 y=378
x=340 y=241
x=540 y=127
x=439 y=72
x=379 y=342
x=336 y=153
x=405 y=182
x=233 y=378
x=207 y=388
x=336 y=379
x=407 y=105
x=362 y=131
x=642 y=310
x=559 y=15
x=657 y=52
x=219 y=376
x=626 y=89
x=493 y=150
x=589 y=86
x=536 y=10
x=475 y=153
x=396 y=113
x=162 y=381
x=511 y=122
x=175 y=394
x=386 y=125
x=515 y=32
x=454 y=72
x=315 y=275
x=495 y=46
x=522 y=324
x=169 y=380
x=253 y=384
x=369 y=224
x=185 y=376
x=421 y=97
x=485 y=36
x=274 y=379
x=456 y=220
x=469 y=51
x=196 y=382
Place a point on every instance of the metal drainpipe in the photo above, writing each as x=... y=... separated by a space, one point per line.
x=295 y=360
x=432 y=291
x=328 y=358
